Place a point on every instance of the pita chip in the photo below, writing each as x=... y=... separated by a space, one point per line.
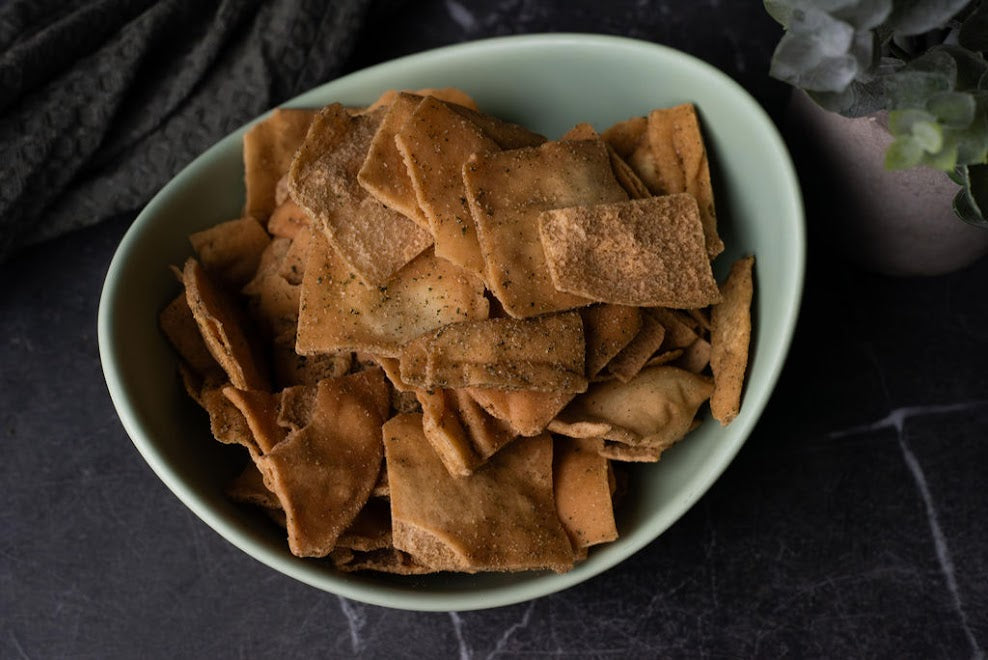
x=460 y=431
x=729 y=339
x=224 y=329
x=260 y=410
x=646 y=252
x=608 y=330
x=582 y=490
x=654 y=409
x=338 y=311
x=508 y=190
x=541 y=354
x=248 y=488
x=696 y=356
x=269 y=146
x=622 y=171
x=447 y=94
x=383 y=173
x=525 y=412
x=373 y=240
x=436 y=176
x=231 y=251
x=287 y=220
x=502 y=517
x=630 y=361
x=681 y=164
x=323 y=473
x=179 y=326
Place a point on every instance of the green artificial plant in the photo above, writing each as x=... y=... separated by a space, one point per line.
x=921 y=60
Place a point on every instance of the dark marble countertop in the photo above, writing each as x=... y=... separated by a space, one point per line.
x=854 y=522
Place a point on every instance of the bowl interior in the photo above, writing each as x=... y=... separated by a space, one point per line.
x=548 y=83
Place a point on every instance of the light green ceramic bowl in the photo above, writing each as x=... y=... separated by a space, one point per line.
x=548 y=83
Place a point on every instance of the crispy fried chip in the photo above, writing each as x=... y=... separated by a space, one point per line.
x=287 y=220
x=295 y=406
x=655 y=409
x=646 y=252
x=506 y=134
x=290 y=368
x=502 y=517
x=180 y=328
x=249 y=488
x=224 y=329
x=618 y=451
x=226 y=422
x=665 y=358
x=525 y=412
x=370 y=530
x=696 y=357
x=608 y=330
x=384 y=560
x=273 y=303
x=231 y=251
x=678 y=332
x=383 y=173
x=374 y=240
x=459 y=430
x=624 y=137
x=544 y=354
x=436 y=176
x=260 y=410
x=582 y=490
x=323 y=474
x=630 y=361
x=269 y=147
x=729 y=339
x=622 y=171
x=681 y=164
x=338 y=311
x=447 y=94
x=508 y=190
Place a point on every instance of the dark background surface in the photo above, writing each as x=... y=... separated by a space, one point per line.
x=854 y=523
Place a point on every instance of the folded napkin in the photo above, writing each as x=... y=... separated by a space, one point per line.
x=102 y=102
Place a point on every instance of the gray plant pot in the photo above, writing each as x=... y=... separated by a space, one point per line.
x=896 y=223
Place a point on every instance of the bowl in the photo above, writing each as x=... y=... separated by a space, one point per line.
x=548 y=83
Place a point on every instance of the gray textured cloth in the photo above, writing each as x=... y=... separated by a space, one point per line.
x=102 y=102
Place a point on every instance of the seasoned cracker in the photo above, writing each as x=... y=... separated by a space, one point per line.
x=681 y=164
x=231 y=251
x=323 y=474
x=288 y=219
x=338 y=311
x=269 y=146
x=508 y=190
x=654 y=409
x=647 y=252
x=525 y=412
x=383 y=173
x=696 y=356
x=447 y=94
x=248 y=488
x=463 y=435
x=729 y=339
x=436 y=176
x=179 y=326
x=260 y=410
x=502 y=517
x=582 y=491
x=224 y=329
x=630 y=361
x=544 y=354
x=608 y=330
x=372 y=239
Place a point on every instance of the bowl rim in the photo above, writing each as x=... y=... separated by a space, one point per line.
x=497 y=596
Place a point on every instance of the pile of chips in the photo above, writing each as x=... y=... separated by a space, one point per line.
x=436 y=332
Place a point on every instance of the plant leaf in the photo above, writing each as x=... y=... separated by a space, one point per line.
x=966 y=203
x=903 y=153
x=929 y=136
x=864 y=14
x=910 y=89
x=917 y=16
x=953 y=109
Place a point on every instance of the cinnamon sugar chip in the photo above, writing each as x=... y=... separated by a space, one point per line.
x=678 y=332
x=323 y=473
x=462 y=433
x=508 y=190
x=665 y=358
x=231 y=251
x=541 y=354
x=622 y=171
x=696 y=356
x=248 y=487
x=626 y=136
x=269 y=146
x=226 y=422
x=525 y=412
x=372 y=239
x=582 y=491
x=436 y=176
x=295 y=406
x=630 y=361
x=654 y=409
x=224 y=329
x=729 y=339
x=502 y=517
x=681 y=164
x=383 y=173
x=338 y=311
x=647 y=252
